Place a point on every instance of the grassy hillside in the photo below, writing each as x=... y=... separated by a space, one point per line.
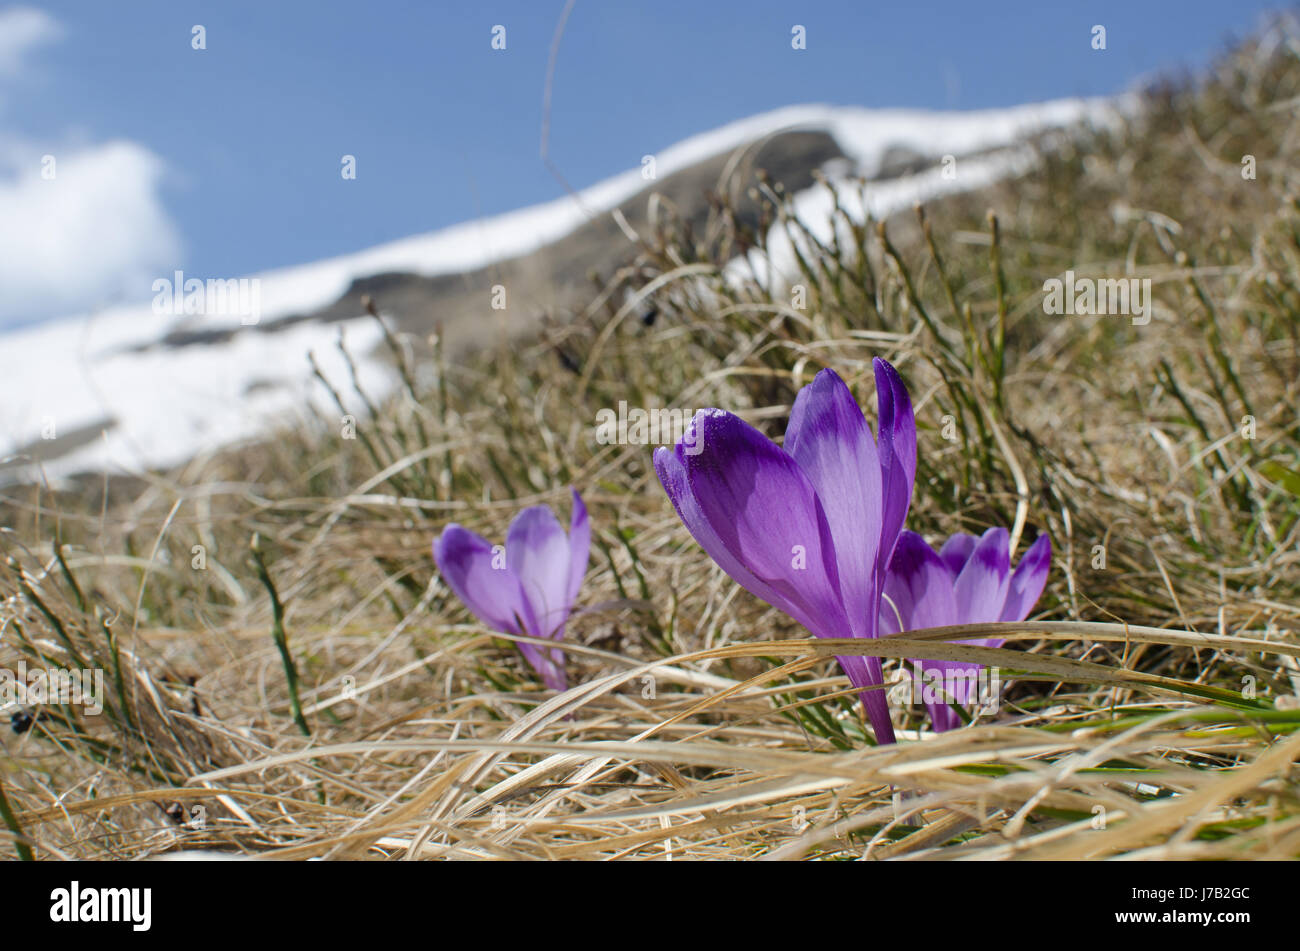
x=1152 y=704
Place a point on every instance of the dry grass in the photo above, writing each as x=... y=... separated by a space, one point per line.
x=1152 y=708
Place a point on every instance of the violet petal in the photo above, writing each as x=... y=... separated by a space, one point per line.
x=897 y=449
x=981 y=587
x=579 y=546
x=537 y=553
x=829 y=439
x=918 y=590
x=956 y=551
x=765 y=515
x=1028 y=580
x=492 y=594
x=672 y=474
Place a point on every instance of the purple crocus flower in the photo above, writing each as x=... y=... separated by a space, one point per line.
x=527 y=587
x=969 y=581
x=810 y=526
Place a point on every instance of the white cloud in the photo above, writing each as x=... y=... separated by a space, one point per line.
x=94 y=233
x=22 y=29
x=83 y=226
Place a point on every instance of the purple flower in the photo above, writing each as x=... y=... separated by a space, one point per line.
x=810 y=526
x=969 y=581
x=527 y=587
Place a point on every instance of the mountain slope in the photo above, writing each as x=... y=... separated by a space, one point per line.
x=128 y=389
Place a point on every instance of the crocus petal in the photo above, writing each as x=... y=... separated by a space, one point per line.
x=861 y=673
x=550 y=669
x=981 y=587
x=1028 y=580
x=537 y=553
x=941 y=677
x=957 y=677
x=579 y=546
x=491 y=593
x=829 y=439
x=968 y=581
x=943 y=717
x=672 y=473
x=767 y=515
x=956 y=551
x=897 y=447
x=558 y=680
x=918 y=590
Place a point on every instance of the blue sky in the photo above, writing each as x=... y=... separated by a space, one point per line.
x=226 y=160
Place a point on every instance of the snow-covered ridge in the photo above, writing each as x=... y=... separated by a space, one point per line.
x=171 y=405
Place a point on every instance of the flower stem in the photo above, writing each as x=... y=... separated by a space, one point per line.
x=877 y=704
